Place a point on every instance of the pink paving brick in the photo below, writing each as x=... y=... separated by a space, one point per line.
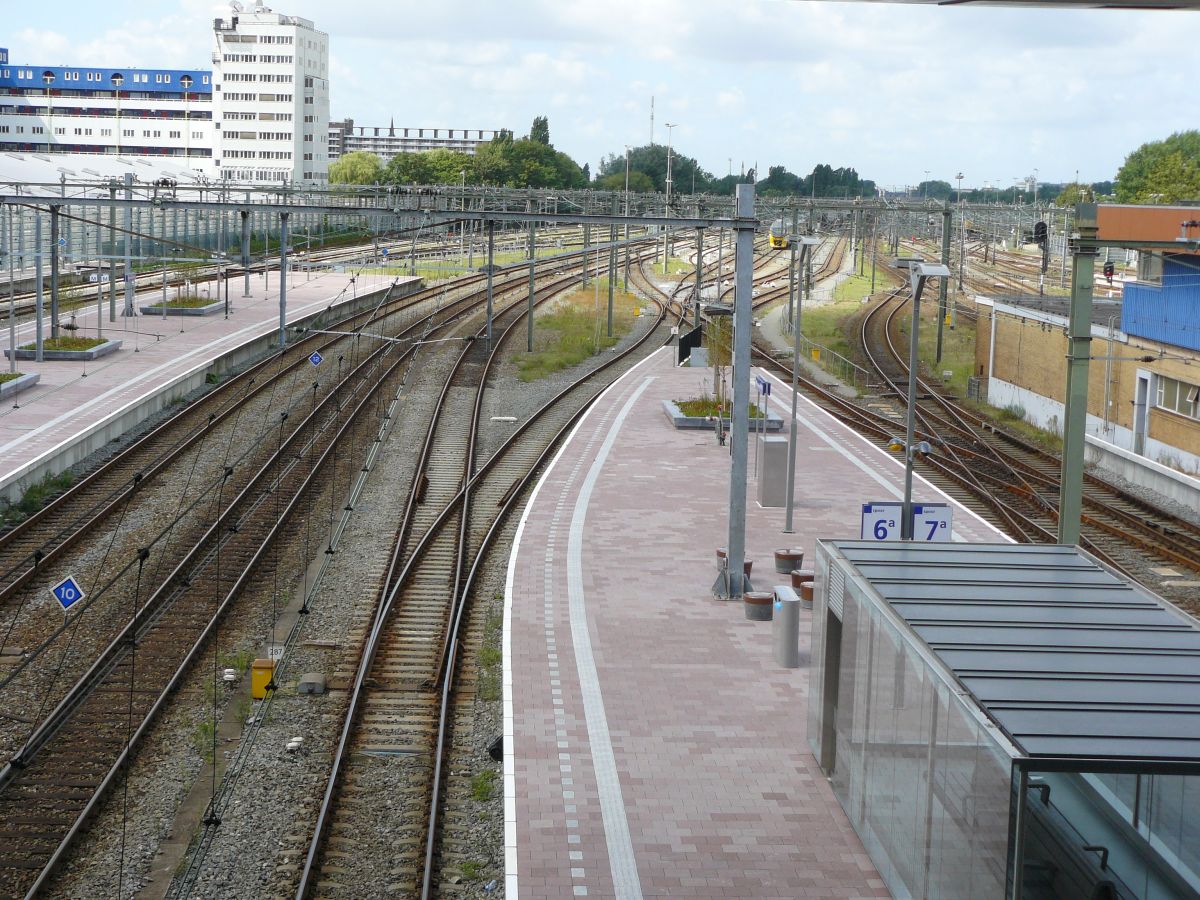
x=718 y=791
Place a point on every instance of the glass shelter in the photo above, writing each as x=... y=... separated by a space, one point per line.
x=1007 y=721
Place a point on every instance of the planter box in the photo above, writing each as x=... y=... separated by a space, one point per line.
x=66 y=355
x=679 y=420
x=214 y=307
x=8 y=388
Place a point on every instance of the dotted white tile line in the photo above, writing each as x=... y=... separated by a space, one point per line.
x=511 y=879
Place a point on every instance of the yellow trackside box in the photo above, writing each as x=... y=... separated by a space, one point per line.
x=261 y=671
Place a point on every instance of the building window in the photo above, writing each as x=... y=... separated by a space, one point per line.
x=1179 y=397
x=1150 y=267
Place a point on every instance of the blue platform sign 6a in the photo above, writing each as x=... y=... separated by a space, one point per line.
x=68 y=592
x=881 y=521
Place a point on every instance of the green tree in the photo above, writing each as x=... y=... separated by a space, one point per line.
x=409 y=168
x=935 y=190
x=1164 y=171
x=639 y=182
x=1074 y=193
x=540 y=131
x=651 y=160
x=358 y=167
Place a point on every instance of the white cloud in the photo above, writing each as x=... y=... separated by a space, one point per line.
x=999 y=91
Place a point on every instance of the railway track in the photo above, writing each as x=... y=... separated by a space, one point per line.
x=1000 y=476
x=402 y=701
x=42 y=809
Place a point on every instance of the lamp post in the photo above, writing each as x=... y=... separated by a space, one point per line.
x=462 y=206
x=671 y=126
x=925 y=186
x=117 y=80
x=806 y=243
x=48 y=79
x=186 y=82
x=918 y=274
x=962 y=227
x=626 y=267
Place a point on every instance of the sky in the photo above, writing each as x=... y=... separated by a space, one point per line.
x=900 y=92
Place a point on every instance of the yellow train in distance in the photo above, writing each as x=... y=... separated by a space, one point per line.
x=778 y=235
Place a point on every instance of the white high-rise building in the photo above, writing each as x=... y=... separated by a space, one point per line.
x=270 y=98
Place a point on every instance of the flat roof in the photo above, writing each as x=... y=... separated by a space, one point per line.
x=1069 y=660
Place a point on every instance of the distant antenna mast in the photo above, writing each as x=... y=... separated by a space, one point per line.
x=651 y=120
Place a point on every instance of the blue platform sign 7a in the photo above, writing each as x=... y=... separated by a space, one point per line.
x=932 y=522
x=68 y=592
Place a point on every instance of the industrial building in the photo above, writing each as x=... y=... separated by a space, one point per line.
x=388 y=141
x=93 y=110
x=1144 y=386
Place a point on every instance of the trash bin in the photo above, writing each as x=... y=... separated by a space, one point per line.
x=747 y=564
x=758 y=605
x=801 y=576
x=786 y=629
x=806 y=595
x=788 y=559
x=261 y=672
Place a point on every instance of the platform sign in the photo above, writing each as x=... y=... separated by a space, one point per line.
x=881 y=521
x=932 y=522
x=68 y=592
x=316 y=359
x=764 y=386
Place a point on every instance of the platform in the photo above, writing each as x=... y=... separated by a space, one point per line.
x=76 y=407
x=652 y=746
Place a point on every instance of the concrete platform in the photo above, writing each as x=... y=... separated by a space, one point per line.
x=76 y=407
x=652 y=746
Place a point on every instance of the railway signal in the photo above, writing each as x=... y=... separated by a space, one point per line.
x=1110 y=269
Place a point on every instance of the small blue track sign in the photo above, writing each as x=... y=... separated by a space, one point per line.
x=68 y=592
x=316 y=359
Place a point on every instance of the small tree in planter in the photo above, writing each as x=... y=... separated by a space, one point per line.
x=720 y=356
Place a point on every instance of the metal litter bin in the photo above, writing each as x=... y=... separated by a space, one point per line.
x=785 y=629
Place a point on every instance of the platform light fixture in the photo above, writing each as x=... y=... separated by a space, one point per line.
x=918 y=274
x=806 y=243
x=117 y=80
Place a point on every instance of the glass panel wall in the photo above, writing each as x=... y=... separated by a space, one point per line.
x=922 y=781
x=1128 y=835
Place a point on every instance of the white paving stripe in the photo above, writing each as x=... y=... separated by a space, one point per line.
x=623 y=864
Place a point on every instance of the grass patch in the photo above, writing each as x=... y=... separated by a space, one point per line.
x=676 y=266
x=490 y=657
x=857 y=288
x=188 y=301
x=67 y=343
x=35 y=497
x=240 y=661
x=576 y=329
x=482 y=785
x=202 y=739
x=829 y=324
x=470 y=869
x=10 y=376
x=958 y=347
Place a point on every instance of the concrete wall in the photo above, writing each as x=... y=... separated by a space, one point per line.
x=119 y=421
